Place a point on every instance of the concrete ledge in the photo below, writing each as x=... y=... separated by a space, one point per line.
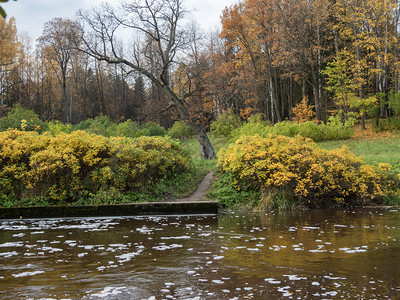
x=135 y=209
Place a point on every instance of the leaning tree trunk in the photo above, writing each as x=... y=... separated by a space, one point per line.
x=206 y=148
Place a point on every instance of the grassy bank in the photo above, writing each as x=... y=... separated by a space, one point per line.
x=375 y=148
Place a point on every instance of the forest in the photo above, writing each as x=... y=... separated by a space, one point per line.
x=341 y=56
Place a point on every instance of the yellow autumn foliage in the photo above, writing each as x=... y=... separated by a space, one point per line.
x=316 y=176
x=64 y=167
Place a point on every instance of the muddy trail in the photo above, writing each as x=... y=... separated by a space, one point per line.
x=201 y=190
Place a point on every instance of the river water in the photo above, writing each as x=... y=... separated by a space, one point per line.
x=332 y=254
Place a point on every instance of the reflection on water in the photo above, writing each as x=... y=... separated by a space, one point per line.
x=299 y=255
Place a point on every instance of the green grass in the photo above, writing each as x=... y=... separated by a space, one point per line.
x=192 y=145
x=374 y=151
x=177 y=186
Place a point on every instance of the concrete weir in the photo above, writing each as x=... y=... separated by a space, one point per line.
x=134 y=209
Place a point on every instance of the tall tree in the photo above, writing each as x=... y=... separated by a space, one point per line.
x=9 y=49
x=56 y=42
x=158 y=23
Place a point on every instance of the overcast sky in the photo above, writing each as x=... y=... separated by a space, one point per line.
x=30 y=15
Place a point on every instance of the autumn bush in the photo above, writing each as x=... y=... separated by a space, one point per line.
x=22 y=119
x=100 y=125
x=180 y=130
x=69 y=167
x=225 y=124
x=332 y=130
x=55 y=127
x=128 y=128
x=106 y=127
x=303 y=112
x=151 y=129
x=311 y=176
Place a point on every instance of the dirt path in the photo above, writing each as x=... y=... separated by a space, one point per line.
x=201 y=190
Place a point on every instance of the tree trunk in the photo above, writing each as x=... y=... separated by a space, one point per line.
x=67 y=118
x=99 y=78
x=206 y=149
x=363 y=122
x=304 y=88
x=290 y=97
x=316 y=90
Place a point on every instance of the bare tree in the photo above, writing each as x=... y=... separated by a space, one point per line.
x=164 y=44
x=56 y=43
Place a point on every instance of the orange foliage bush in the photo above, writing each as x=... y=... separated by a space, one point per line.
x=303 y=112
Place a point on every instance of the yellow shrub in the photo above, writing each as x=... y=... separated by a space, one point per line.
x=314 y=175
x=67 y=165
x=147 y=159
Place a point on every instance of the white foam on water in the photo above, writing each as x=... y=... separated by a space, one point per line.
x=24 y=274
x=219 y=257
x=295 y=277
x=167 y=247
x=144 y=230
x=285 y=291
x=310 y=228
x=204 y=234
x=8 y=254
x=216 y=281
x=355 y=250
x=127 y=256
x=108 y=291
x=333 y=294
x=118 y=245
x=272 y=281
x=184 y=237
x=89 y=247
x=51 y=249
x=18 y=235
x=334 y=278
x=11 y=244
